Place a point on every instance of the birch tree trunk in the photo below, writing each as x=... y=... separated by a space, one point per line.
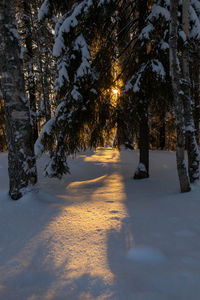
x=21 y=159
x=191 y=143
x=175 y=75
x=195 y=72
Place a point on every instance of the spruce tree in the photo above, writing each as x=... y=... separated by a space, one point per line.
x=149 y=84
x=82 y=113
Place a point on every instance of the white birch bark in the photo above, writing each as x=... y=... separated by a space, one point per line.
x=175 y=75
x=21 y=159
x=191 y=143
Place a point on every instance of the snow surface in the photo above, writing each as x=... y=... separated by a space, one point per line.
x=99 y=234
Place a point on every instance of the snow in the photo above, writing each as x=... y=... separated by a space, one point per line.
x=103 y=2
x=190 y=128
x=47 y=128
x=99 y=234
x=62 y=73
x=75 y=94
x=14 y=32
x=196 y=5
x=145 y=255
x=182 y=35
x=44 y=10
x=164 y=45
x=146 y=32
x=158 y=11
x=141 y=167
x=195 y=18
x=67 y=22
x=137 y=77
x=157 y=67
x=81 y=45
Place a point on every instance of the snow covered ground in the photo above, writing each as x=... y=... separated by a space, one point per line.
x=98 y=234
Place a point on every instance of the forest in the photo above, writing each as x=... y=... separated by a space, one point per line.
x=99 y=143
x=79 y=75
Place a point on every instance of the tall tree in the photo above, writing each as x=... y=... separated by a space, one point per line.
x=28 y=40
x=81 y=114
x=175 y=74
x=191 y=143
x=21 y=159
x=143 y=103
x=195 y=62
x=3 y=142
x=148 y=82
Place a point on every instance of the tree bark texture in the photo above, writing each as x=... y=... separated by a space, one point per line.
x=195 y=72
x=175 y=75
x=29 y=67
x=162 y=138
x=191 y=143
x=143 y=167
x=44 y=71
x=21 y=159
x=46 y=89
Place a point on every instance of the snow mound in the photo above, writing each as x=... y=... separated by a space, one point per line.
x=146 y=254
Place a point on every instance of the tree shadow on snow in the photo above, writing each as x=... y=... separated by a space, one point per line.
x=46 y=244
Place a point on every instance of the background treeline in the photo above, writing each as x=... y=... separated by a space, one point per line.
x=101 y=72
x=40 y=68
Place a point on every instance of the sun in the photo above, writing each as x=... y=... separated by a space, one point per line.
x=115 y=91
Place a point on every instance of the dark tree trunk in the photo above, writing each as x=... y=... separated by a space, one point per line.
x=46 y=89
x=162 y=138
x=3 y=141
x=143 y=167
x=44 y=71
x=29 y=66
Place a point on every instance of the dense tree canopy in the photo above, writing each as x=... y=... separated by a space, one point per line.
x=98 y=72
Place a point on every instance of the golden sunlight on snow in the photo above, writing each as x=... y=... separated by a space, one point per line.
x=80 y=231
x=104 y=157
x=80 y=239
x=77 y=237
x=89 y=224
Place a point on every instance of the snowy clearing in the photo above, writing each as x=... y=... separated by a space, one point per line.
x=99 y=234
